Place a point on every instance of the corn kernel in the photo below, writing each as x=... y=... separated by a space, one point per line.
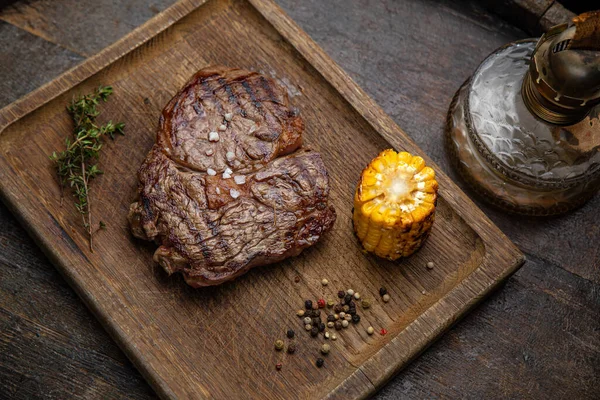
x=394 y=204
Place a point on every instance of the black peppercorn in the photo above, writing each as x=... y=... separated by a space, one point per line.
x=315 y=321
x=382 y=291
x=291 y=348
x=321 y=327
x=338 y=308
x=341 y=294
x=308 y=304
x=314 y=331
x=346 y=308
x=320 y=362
x=347 y=299
x=352 y=311
x=330 y=318
x=338 y=325
x=316 y=313
x=356 y=318
x=290 y=333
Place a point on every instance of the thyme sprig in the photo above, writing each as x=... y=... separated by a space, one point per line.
x=77 y=165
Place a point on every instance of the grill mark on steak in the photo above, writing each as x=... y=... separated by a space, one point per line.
x=282 y=206
x=230 y=95
x=274 y=129
x=265 y=85
x=209 y=93
x=214 y=229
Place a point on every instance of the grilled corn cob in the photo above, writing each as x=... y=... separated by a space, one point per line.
x=394 y=204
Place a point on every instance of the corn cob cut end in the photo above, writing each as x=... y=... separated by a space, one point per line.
x=394 y=204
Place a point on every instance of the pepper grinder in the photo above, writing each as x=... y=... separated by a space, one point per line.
x=524 y=129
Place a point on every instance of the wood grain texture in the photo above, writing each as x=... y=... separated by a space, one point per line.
x=556 y=14
x=536 y=337
x=525 y=14
x=413 y=70
x=28 y=62
x=533 y=16
x=379 y=43
x=64 y=26
x=50 y=344
x=159 y=322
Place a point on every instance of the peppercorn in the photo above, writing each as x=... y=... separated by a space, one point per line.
x=346 y=308
x=383 y=331
x=330 y=303
x=366 y=304
x=308 y=327
x=330 y=318
x=315 y=321
x=320 y=362
x=307 y=320
x=347 y=299
x=324 y=282
x=338 y=308
x=344 y=324
x=290 y=333
x=315 y=306
x=297 y=279
x=352 y=311
x=278 y=345
x=386 y=298
x=336 y=316
x=315 y=313
x=338 y=325
x=314 y=331
x=356 y=318
x=382 y=291
x=321 y=303
x=308 y=304
x=327 y=335
x=330 y=324
x=356 y=295
x=342 y=315
x=430 y=265
x=341 y=294
x=278 y=366
x=291 y=348
x=350 y=292
x=333 y=337
x=321 y=327
x=325 y=348
x=370 y=330
x=348 y=317
x=300 y=313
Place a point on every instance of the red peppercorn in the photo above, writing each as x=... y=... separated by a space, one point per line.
x=321 y=303
x=383 y=331
x=278 y=366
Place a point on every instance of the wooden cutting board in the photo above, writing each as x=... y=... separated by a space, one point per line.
x=218 y=342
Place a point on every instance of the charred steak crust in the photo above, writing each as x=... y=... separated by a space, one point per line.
x=222 y=206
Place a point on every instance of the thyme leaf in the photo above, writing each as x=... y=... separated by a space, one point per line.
x=77 y=164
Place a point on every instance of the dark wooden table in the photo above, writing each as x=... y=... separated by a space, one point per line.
x=537 y=337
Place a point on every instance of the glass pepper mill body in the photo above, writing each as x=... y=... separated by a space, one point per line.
x=524 y=129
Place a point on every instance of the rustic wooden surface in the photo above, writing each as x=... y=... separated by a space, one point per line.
x=537 y=337
x=197 y=342
x=533 y=16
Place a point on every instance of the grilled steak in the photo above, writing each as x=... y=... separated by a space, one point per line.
x=226 y=187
